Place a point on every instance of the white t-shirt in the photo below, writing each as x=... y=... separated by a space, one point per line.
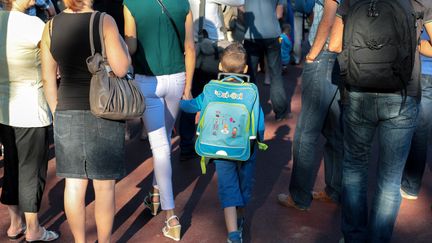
x=22 y=101
x=212 y=21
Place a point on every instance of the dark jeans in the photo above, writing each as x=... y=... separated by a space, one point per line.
x=395 y=121
x=270 y=48
x=416 y=162
x=25 y=166
x=320 y=114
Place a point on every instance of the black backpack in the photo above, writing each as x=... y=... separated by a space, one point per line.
x=379 y=45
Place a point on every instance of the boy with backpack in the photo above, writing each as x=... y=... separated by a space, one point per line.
x=230 y=128
x=380 y=68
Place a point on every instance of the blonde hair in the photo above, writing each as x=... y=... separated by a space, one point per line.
x=74 y=5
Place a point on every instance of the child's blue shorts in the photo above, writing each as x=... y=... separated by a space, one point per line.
x=235 y=181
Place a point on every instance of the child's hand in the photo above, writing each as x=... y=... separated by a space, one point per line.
x=187 y=95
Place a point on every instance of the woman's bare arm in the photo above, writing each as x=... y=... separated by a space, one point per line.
x=49 y=70
x=130 y=30
x=115 y=48
x=189 y=46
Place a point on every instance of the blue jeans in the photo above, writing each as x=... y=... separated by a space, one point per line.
x=416 y=162
x=235 y=181
x=320 y=114
x=395 y=121
x=271 y=49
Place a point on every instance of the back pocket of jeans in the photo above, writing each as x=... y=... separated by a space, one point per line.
x=62 y=125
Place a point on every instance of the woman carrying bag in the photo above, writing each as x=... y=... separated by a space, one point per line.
x=87 y=147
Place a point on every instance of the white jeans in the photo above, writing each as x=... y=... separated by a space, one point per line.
x=162 y=96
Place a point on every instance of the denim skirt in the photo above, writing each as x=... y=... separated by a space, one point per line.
x=87 y=146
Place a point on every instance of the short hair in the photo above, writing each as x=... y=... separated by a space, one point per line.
x=286 y=28
x=233 y=58
x=74 y=5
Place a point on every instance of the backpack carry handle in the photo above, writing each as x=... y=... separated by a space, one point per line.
x=241 y=78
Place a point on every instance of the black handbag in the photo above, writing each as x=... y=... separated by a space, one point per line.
x=111 y=97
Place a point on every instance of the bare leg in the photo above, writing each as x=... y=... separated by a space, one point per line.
x=34 y=231
x=172 y=222
x=230 y=214
x=104 y=208
x=74 y=200
x=16 y=220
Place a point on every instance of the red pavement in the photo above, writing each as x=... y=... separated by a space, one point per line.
x=197 y=203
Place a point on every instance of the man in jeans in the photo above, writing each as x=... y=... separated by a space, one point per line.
x=394 y=116
x=262 y=37
x=416 y=162
x=320 y=114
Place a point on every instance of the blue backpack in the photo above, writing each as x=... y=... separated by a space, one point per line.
x=228 y=120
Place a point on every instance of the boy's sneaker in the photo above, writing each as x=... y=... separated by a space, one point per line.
x=235 y=237
x=408 y=196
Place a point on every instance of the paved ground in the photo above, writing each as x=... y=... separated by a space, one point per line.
x=197 y=203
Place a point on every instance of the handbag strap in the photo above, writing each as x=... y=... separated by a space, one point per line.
x=92 y=46
x=165 y=10
x=201 y=20
x=223 y=28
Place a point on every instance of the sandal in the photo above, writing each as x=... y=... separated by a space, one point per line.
x=19 y=234
x=153 y=206
x=172 y=232
x=47 y=236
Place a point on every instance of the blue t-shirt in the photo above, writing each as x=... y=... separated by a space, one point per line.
x=426 y=62
x=286 y=47
x=260 y=19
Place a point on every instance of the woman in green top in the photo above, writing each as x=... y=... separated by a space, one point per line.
x=164 y=73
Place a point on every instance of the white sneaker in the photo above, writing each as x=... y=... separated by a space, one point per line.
x=406 y=195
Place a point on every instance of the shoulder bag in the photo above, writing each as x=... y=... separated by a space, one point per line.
x=111 y=97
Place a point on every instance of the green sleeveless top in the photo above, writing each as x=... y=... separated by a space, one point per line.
x=158 y=51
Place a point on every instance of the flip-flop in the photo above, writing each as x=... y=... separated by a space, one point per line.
x=19 y=235
x=47 y=236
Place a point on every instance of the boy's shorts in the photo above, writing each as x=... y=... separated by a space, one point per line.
x=235 y=181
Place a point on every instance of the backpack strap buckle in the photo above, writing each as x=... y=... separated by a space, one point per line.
x=372 y=12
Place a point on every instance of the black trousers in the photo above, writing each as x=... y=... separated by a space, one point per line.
x=25 y=166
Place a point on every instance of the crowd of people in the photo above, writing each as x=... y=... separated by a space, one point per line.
x=175 y=48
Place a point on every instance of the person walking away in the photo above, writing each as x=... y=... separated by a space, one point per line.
x=88 y=148
x=24 y=121
x=416 y=162
x=164 y=63
x=378 y=100
x=320 y=114
x=262 y=38
x=235 y=179
x=213 y=26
